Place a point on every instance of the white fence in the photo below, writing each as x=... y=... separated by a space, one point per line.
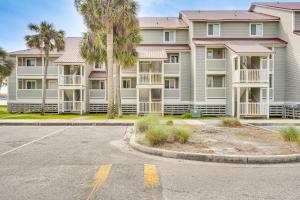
x=150 y=78
x=254 y=109
x=70 y=80
x=72 y=106
x=253 y=75
x=150 y=107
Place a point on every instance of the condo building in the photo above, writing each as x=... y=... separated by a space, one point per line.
x=223 y=63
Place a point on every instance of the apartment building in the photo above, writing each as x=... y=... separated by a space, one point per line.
x=235 y=63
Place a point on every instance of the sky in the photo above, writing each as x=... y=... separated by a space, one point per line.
x=15 y=15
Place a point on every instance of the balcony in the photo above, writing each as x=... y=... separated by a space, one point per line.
x=36 y=93
x=252 y=76
x=171 y=68
x=150 y=79
x=216 y=65
x=172 y=93
x=97 y=94
x=70 y=80
x=72 y=106
x=130 y=93
x=216 y=93
x=254 y=109
x=36 y=70
x=150 y=107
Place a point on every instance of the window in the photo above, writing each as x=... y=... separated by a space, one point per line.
x=52 y=84
x=170 y=83
x=173 y=58
x=102 y=85
x=126 y=83
x=216 y=81
x=213 y=29
x=169 y=36
x=215 y=54
x=30 y=84
x=99 y=66
x=30 y=62
x=271 y=81
x=256 y=29
x=98 y=85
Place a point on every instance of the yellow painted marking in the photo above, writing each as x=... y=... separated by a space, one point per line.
x=100 y=178
x=151 y=178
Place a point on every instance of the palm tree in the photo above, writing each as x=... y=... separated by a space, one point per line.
x=126 y=55
x=47 y=39
x=100 y=16
x=5 y=67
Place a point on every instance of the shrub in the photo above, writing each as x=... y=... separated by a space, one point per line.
x=156 y=135
x=170 y=123
x=178 y=134
x=144 y=124
x=187 y=115
x=290 y=134
x=231 y=122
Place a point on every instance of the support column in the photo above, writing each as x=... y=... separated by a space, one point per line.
x=238 y=102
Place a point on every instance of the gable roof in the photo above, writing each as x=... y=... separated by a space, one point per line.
x=162 y=23
x=227 y=15
x=278 y=5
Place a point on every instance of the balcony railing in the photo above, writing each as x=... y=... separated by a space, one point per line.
x=150 y=78
x=36 y=70
x=216 y=65
x=216 y=93
x=254 y=109
x=70 y=80
x=97 y=94
x=72 y=106
x=172 y=68
x=172 y=93
x=36 y=93
x=150 y=107
x=253 y=76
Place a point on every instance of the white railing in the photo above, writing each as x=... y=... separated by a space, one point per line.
x=97 y=94
x=70 y=80
x=254 y=109
x=36 y=70
x=72 y=106
x=150 y=107
x=253 y=75
x=150 y=78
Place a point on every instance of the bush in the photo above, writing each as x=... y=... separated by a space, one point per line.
x=290 y=134
x=178 y=134
x=187 y=115
x=156 y=135
x=231 y=122
x=144 y=124
x=170 y=123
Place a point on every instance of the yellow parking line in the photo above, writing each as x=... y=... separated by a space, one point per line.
x=100 y=178
x=151 y=178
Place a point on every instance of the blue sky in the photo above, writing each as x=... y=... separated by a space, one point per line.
x=16 y=14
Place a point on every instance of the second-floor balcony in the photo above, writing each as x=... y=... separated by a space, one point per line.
x=150 y=79
x=251 y=76
x=71 y=80
x=36 y=70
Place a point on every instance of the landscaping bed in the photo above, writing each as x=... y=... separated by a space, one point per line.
x=220 y=139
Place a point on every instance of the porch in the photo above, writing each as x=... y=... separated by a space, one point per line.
x=150 y=101
x=72 y=101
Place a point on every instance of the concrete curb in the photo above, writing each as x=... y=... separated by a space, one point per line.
x=274 y=124
x=237 y=159
x=66 y=123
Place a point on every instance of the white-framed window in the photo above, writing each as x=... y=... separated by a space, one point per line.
x=126 y=83
x=99 y=66
x=256 y=29
x=213 y=30
x=170 y=83
x=215 y=54
x=52 y=84
x=169 y=36
x=173 y=58
x=216 y=81
x=30 y=62
x=30 y=84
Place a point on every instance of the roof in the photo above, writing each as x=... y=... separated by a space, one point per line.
x=72 y=52
x=97 y=74
x=248 y=48
x=297 y=32
x=279 y=5
x=224 y=41
x=162 y=23
x=227 y=15
x=32 y=51
x=158 y=51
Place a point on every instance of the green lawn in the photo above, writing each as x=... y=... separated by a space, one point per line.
x=5 y=115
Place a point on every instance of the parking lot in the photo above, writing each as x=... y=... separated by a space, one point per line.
x=94 y=163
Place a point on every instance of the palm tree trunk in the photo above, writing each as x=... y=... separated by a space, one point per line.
x=118 y=90
x=110 y=36
x=44 y=85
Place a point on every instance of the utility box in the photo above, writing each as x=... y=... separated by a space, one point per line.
x=196 y=113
